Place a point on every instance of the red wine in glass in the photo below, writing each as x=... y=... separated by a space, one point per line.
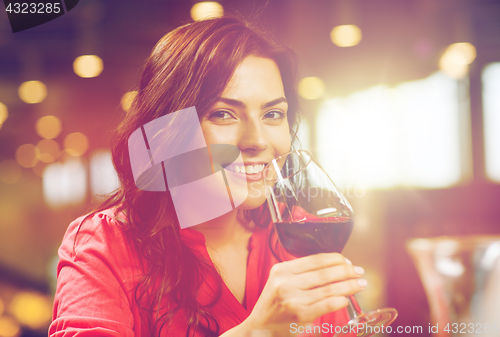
x=312 y=237
x=312 y=216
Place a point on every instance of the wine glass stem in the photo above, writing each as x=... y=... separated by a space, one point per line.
x=355 y=305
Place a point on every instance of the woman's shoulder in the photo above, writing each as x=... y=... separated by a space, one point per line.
x=102 y=231
x=97 y=273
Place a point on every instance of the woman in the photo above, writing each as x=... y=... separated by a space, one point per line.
x=129 y=270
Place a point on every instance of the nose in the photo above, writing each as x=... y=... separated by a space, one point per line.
x=253 y=137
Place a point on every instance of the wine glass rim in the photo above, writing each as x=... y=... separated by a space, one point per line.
x=310 y=159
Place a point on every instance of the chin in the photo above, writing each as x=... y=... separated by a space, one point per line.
x=255 y=196
x=252 y=203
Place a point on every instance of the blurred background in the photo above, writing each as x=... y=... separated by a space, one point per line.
x=401 y=103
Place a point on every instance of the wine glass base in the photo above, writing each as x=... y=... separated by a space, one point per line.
x=370 y=323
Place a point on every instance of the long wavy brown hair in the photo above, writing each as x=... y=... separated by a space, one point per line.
x=190 y=66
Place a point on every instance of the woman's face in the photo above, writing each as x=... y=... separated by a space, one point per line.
x=252 y=115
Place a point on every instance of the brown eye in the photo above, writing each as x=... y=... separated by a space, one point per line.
x=275 y=116
x=221 y=116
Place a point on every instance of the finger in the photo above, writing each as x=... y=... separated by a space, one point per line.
x=343 y=288
x=328 y=275
x=330 y=304
x=316 y=261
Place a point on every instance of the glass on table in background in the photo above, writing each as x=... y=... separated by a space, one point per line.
x=461 y=278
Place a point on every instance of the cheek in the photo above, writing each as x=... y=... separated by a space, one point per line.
x=282 y=141
x=214 y=135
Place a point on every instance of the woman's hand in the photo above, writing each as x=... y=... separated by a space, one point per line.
x=301 y=290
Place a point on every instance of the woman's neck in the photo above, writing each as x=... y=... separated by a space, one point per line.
x=230 y=229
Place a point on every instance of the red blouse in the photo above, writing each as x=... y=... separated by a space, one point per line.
x=97 y=276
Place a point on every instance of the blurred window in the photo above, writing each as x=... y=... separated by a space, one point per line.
x=385 y=137
x=304 y=135
x=65 y=183
x=491 y=118
x=103 y=177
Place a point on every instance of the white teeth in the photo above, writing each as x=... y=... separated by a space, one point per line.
x=258 y=168
x=249 y=169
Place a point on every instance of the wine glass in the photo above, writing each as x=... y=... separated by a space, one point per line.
x=312 y=216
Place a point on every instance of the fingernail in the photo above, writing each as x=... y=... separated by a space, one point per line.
x=362 y=282
x=348 y=261
x=359 y=270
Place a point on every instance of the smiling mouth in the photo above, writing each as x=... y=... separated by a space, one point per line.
x=246 y=169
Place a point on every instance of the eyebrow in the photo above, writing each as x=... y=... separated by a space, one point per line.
x=240 y=104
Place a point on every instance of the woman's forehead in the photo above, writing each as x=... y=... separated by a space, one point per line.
x=255 y=76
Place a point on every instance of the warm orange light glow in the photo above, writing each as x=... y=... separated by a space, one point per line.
x=10 y=173
x=346 y=35
x=311 y=88
x=2 y=307
x=8 y=327
x=32 y=92
x=127 y=100
x=206 y=10
x=375 y=280
x=76 y=144
x=456 y=59
x=31 y=309
x=26 y=155
x=4 y=113
x=87 y=66
x=48 y=150
x=48 y=127
x=39 y=168
x=462 y=53
x=456 y=71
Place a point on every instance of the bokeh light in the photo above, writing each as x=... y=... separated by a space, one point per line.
x=4 y=113
x=374 y=279
x=456 y=59
x=12 y=213
x=27 y=155
x=346 y=35
x=48 y=150
x=456 y=71
x=206 y=10
x=39 y=168
x=127 y=100
x=31 y=309
x=9 y=327
x=10 y=173
x=311 y=88
x=32 y=92
x=462 y=53
x=48 y=127
x=87 y=66
x=76 y=144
